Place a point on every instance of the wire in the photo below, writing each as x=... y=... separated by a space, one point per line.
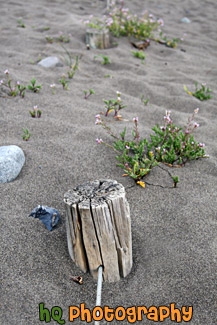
x=99 y=290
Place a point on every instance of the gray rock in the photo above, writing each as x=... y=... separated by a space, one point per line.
x=50 y=62
x=11 y=162
x=185 y=20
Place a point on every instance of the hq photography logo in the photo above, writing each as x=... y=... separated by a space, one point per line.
x=130 y=314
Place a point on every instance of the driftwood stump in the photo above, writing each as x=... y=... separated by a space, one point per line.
x=98 y=38
x=109 y=3
x=99 y=228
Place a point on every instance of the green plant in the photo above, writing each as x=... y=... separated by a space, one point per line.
x=107 y=76
x=20 y=23
x=121 y=22
x=46 y=28
x=169 y=43
x=106 y=59
x=36 y=112
x=14 y=88
x=175 y=180
x=86 y=94
x=202 y=93
x=38 y=60
x=73 y=67
x=114 y=105
x=64 y=82
x=144 y=101
x=33 y=87
x=169 y=145
x=52 y=86
x=139 y=54
x=94 y=22
x=26 y=134
x=63 y=38
x=49 y=39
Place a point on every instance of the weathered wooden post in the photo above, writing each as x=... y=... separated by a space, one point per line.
x=98 y=38
x=109 y=3
x=99 y=228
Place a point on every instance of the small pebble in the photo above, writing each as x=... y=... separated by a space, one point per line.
x=185 y=20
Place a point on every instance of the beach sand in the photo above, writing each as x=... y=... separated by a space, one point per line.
x=174 y=242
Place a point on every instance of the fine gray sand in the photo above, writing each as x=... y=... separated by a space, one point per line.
x=174 y=242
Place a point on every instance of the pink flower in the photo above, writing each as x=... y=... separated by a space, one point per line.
x=167 y=118
x=201 y=145
x=127 y=147
x=196 y=110
x=125 y=9
x=161 y=22
x=35 y=108
x=1 y=82
x=196 y=125
x=6 y=72
x=98 y=141
x=98 y=119
x=135 y=119
x=109 y=21
x=164 y=150
x=18 y=83
x=158 y=149
x=98 y=122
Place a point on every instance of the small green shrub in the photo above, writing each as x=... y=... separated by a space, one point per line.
x=169 y=144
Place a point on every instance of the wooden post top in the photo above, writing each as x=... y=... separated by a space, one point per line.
x=99 y=228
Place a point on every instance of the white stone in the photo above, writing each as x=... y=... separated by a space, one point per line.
x=50 y=62
x=12 y=160
x=185 y=20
